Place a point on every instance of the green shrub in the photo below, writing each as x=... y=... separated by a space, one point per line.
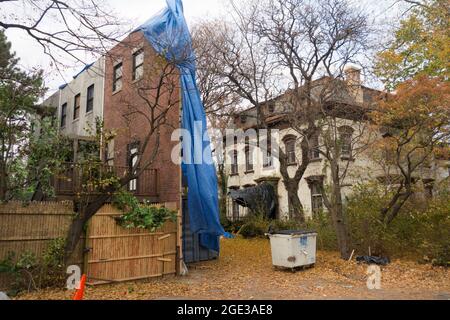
x=232 y=226
x=435 y=232
x=254 y=226
x=419 y=231
x=27 y=272
x=138 y=215
x=326 y=236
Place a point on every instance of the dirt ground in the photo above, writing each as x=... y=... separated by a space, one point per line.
x=244 y=271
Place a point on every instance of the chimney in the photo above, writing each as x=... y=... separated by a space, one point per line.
x=353 y=79
x=353 y=76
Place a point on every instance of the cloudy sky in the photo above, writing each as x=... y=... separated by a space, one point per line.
x=137 y=12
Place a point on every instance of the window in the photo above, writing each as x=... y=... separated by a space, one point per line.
x=248 y=159
x=271 y=107
x=76 y=107
x=316 y=198
x=63 y=115
x=314 y=153
x=235 y=211
x=267 y=152
x=138 y=64
x=133 y=153
x=429 y=191
x=109 y=153
x=90 y=99
x=117 y=77
x=346 y=141
x=234 y=163
x=290 y=150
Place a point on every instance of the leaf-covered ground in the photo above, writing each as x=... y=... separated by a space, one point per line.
x=244 y=271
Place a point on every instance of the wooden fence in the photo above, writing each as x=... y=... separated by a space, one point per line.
x=117 y=254
x=31 y=227
x=108 y=253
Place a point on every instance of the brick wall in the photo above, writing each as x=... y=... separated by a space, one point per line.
x=125 y=111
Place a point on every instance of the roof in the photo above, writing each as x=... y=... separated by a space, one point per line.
x=86 y=67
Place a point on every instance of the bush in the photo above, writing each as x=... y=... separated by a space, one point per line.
x=418 y=231
x=142 y=216
x=27 y=272
x=326 y=236
x=232 y=226
x=254 y=226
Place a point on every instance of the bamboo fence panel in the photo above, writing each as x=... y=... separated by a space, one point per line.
x=117 y=254
x=30 y=227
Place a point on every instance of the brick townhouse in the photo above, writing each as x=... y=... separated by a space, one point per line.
x=118 y=89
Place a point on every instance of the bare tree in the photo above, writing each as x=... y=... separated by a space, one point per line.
x=345 y=135
x=312 y=41
x=64 y=29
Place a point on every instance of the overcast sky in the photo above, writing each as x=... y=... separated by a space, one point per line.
x=138 y=11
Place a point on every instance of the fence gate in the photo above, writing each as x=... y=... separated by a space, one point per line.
x=115 y=254
x=192 y=250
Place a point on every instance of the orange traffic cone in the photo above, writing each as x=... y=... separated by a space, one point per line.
x=80 y=292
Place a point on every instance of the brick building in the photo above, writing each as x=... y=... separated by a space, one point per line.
x=133 y=91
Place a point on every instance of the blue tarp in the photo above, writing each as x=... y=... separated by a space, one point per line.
x=169 y=35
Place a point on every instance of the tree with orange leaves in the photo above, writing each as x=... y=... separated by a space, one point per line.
x=415 y=122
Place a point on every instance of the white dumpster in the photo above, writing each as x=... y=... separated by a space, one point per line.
x=292 y=249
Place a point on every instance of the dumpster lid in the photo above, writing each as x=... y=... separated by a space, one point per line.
x=294 y=232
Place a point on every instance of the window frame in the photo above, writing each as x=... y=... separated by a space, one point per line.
x=76 y=108
x=90 y=100
x=235 y=214
x=63 y=121
x=133 y=184
x=290 y=143
x=234 y=163
x=267 y=154
x=249 y=168
x=314 y=152
x=316 y=194
x=137 y=66
x=116 y=79
x=345 y=138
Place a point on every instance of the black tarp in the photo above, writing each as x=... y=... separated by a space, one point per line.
x=259 y=199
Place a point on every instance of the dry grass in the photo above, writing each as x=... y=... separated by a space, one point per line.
x=244 y=271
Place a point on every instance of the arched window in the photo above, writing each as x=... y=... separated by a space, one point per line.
x=289 y=143
x=316 y=198
x=235 y=210
x=345 y=137
x=314 y=153
x=266 y=148
x=248 y=159
x=315 y=184
x=234 y=162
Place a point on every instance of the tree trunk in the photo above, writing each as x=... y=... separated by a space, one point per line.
x=336 y=210
x=77 y=227
x=3 y=183
x=223 y=190
x=73 y=237
x=296 y=211
x=292 y=184
x=340 y=225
